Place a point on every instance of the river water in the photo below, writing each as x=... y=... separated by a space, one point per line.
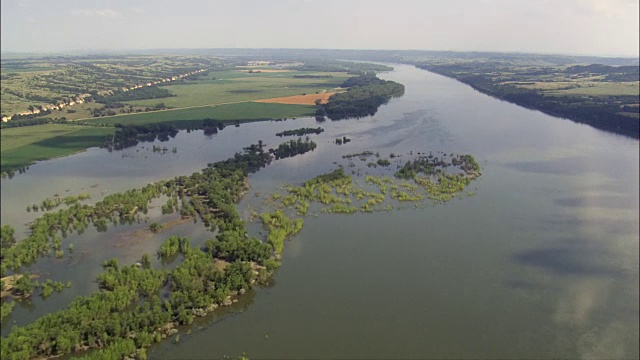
x=541 y=263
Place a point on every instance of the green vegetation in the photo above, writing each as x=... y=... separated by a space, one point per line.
x=432 y=178
x=301 y=132
x=6 y=307
x=173 y=245
x=52 y=203
x=7 y=237
x=21 y=146
x=130 y=135
x=337 y=176
x=362 y=155
x=280 y=226
x=363 y=98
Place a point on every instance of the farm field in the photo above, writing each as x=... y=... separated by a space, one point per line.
x=631 y=88
x=21 y=146
x=309 y=99
x=241 y=111
x=232 y=86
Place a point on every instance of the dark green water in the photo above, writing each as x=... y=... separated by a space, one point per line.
x=541 y=263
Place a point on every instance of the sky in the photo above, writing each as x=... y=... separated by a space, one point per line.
x=579 y=27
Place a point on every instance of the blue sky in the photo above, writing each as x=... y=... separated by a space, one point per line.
x=594 y=27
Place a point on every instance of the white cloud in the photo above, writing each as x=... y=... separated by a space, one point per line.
x=104 y=13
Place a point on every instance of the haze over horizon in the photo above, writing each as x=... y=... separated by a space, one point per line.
x=576 y=27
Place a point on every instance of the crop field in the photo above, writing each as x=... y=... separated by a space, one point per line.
x=233 y=86
x=241 y=111
x=22 y=146
x=600 y=89
x=309 y=99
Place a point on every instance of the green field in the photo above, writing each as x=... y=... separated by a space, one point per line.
x=240 y=111
x=22 y=146
x=234 y=86
x=631 y=88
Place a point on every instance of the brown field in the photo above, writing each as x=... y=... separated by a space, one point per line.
x=309 y=99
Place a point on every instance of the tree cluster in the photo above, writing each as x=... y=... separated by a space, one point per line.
x=301 y=132
x=293 y=148
x=129 y=135
x=365 y=95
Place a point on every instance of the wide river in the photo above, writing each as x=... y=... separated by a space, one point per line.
x=541 y=263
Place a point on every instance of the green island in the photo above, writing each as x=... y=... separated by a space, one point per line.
x=138 y=305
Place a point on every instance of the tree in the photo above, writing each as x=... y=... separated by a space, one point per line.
x=145 y=261
x=6 y=236
x=154 y=226
x=23 y=286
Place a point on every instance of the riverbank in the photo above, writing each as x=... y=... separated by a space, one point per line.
x=602 y=109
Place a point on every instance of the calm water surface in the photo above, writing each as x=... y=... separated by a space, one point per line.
x=542 y=262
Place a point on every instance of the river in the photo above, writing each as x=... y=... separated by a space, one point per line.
x=542 y=262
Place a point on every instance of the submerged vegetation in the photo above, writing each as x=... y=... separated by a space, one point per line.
x=280 y=227
x=293 y=148
x=129 y=135
x=435 y=179
x=301 y=132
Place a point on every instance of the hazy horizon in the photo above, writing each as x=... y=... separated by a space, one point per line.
x=564 y=27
